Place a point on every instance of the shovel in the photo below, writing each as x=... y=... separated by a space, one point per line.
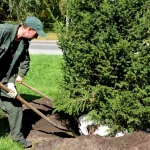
x=35 y=110
x=35 y=90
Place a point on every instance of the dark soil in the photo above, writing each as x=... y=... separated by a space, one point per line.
x=45 y=136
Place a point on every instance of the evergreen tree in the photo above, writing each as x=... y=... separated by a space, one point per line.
x=107 y=62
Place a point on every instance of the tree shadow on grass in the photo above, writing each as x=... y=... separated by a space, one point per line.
x=29 y=98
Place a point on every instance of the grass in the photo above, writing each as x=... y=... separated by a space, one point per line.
x=7 y=144
x=50 y=35
x=45 y=74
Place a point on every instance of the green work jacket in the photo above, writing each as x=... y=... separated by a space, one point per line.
x=21 y=59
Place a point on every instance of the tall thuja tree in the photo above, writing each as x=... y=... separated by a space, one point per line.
x=106 y=70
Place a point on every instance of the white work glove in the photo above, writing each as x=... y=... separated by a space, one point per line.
x=13 y=92
x=19 y=79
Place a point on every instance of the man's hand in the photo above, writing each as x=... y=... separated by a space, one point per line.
x=19 y=79
x=13 y=92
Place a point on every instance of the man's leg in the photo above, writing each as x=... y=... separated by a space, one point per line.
x=2 y=106
x=14 y=110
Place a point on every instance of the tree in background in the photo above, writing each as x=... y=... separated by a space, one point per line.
x=3 y=10
x=106 y=70
x=64 y=11
x=63 y=7
x=24 y=8
x=48 y=11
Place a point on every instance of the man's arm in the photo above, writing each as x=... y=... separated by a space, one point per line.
x=24 y=67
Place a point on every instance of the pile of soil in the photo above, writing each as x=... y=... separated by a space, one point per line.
x=45 y=136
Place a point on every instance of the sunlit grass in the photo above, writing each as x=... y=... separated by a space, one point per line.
x=49 y=36
x=45 y=75
x=7 y=144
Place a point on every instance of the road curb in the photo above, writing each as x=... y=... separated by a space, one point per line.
x=44 y=41
x=49 y=47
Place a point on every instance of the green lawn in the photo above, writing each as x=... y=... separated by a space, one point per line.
x=7 y=144
x=45 y=75
x=50 y=35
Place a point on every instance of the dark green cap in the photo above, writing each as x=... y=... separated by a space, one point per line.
x=35 y=24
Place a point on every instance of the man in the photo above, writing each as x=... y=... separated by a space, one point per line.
x=14 y=64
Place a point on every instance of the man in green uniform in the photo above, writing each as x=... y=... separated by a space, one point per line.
x=14 y=65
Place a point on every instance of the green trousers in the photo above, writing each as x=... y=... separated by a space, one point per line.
x=14 y=109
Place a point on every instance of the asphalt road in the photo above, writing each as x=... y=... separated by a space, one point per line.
x=44 y=47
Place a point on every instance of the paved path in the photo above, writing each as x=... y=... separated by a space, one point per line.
x=48 y=47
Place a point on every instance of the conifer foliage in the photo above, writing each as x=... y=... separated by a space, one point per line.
x=107 y=62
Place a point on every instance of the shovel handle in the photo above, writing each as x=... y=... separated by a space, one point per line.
x=35 y=90
x=33 y=108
